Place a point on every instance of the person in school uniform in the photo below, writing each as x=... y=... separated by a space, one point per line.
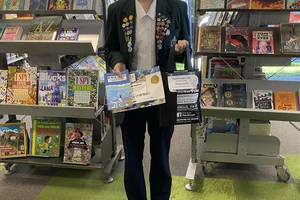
x=140 y=34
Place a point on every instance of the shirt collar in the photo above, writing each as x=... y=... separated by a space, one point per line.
x=140 y=12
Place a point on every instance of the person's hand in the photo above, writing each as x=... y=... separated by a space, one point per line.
x=181 y=46
x=118 y=68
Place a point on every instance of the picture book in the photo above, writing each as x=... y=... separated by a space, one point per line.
x=226 y=72
x=212 y=4
x=83 y=4
x=147 y=89
x=3 y=85
x=2 y=29
x=290 y=37
x=46 y=137
x=44 y=28
x=68 y=34
x=238 y=4
x=52 y=88
x=209 y=95
x=12 y=33
x=38 y=5
x=13 y=140
x=187 y=86
x=14 y=4
x=216 y=61
x=262 y=42
x=235 y=95
x=292 y=4
x=267 y=4
x=60 y=4
x=83 y=88
x=209 y=39
x=21 y=85
x=262 y=99
x=285 y=101
x=237 y=40
x=118 y=91
x=78 y=143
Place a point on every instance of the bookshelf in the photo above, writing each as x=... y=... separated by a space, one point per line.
x=244 y=148
x=91 y=38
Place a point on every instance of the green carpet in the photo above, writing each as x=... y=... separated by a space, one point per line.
x=88 y=185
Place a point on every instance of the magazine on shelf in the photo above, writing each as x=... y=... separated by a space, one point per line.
x=146 y=90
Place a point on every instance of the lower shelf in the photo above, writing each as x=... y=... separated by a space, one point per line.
x=57 y=162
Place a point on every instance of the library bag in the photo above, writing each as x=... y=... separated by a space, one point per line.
x=174 y=112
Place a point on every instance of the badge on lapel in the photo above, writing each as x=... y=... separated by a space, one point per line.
x=173 y=42
x=162 y=29
x=128 y=30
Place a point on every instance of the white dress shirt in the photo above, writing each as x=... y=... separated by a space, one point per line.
x=144 y=48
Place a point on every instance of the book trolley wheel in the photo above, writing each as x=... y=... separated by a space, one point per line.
x=8 y=170
x=208 y=167
x=283 y=173
x=190 y=186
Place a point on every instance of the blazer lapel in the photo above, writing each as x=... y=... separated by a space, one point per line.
x=162 y=22
x=128 y=25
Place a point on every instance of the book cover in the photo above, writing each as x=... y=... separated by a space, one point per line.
x=235 y=95
x=38 y=5
x=78 y=143
x=21 y=85
x=83 y=4
x=14 y=4
x=44 y=28
x=60 y=4
x=226 y=72
x=238 y=4
x=1 y=4
x=237 y=40
x=13 y=140
x=262 y=42
x=83 y=88
x=2 y=29
x=292 y=4
x=290 y=37
x=267 y=4
x=52 y=88
x=209 y=4
x=209 y=95
x=147 y=89
x=3 y=85
x=118 y=91
x=12 y=33
x=209 y=39
x=46 y=137
x=216 y=61
x=262 y=99
x=68 y=34
x=285 y=101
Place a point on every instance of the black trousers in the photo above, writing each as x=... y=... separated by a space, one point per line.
x=133 y=132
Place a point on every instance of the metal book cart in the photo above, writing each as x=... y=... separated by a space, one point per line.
x=245 y=148
x=47 y=53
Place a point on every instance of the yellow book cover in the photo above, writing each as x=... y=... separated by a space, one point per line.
x=21 y=85
x=285 y=101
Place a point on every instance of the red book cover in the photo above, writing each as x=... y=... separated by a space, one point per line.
x=267 y=4
x=262 y=42
x=237 y=40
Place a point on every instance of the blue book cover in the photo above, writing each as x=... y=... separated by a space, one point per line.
x=68 y=34
x=2 y=28
x=38 y=5
x=118 y=91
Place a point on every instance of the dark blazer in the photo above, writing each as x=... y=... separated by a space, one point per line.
x=121 y=27
x=116 y=46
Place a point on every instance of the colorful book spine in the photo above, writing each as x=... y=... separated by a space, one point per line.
x=46 y=138
x=3 y=86
x=52 y=88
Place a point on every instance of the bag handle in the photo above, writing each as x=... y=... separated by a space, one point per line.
x=187 y=60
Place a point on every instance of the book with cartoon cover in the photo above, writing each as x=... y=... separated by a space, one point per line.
x=209 y=95
x=83 y=88
x=52 y=88
x=262 y=99
x=68 y=34
x=78 y=143
x=267 y=4
x=13 y=140
x=60 y=4
x=262 y=42
x=237 y=40
x=14 y=4
x=46 y=137
x=290 y=37
x=212 y=4
x=3 y=85
x=237 y=4
x=292 y=4
x=118 y=91
x=21 y=85
x=147 y=89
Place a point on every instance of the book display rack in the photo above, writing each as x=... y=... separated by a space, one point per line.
x=243 y=147
x=48 y=53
